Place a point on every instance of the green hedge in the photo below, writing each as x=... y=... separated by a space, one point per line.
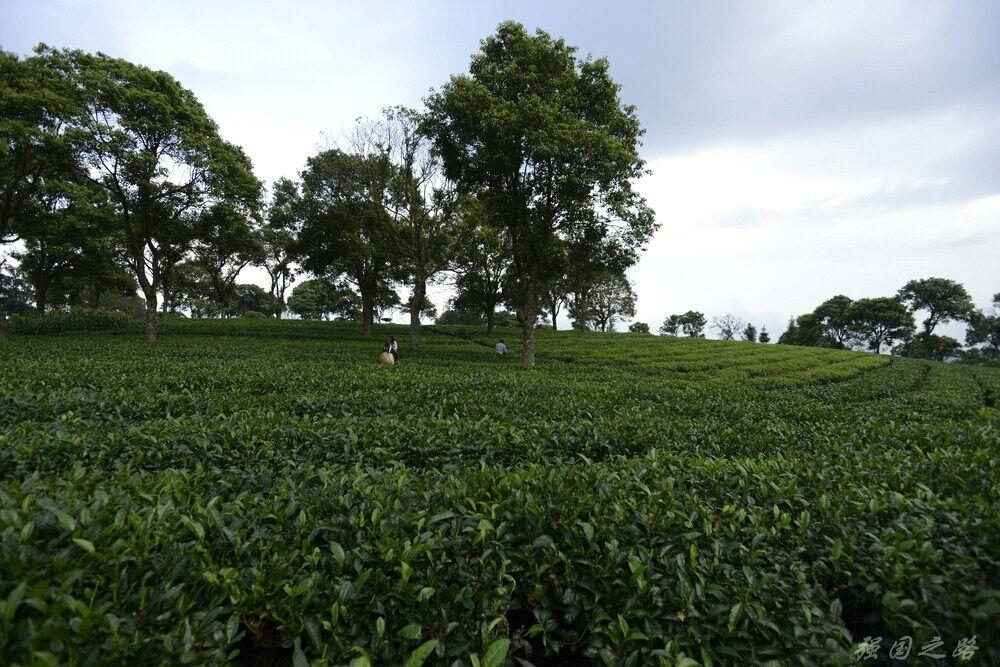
x=75 y=320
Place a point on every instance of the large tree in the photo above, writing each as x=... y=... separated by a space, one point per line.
x=728 y=326
x=63 y=235
x=35 y=101
x=984 y=331
x=481 y=263
x=832 y=315
x=320 y=298
x=545 y=142
x=15 y=292
x=691 y=324
x=278 y=238
x=879 y=321
x=612 y=299
x=421 y=205
x=148 y=141
x=942 y=299
x=344 y=222
x=225 y=243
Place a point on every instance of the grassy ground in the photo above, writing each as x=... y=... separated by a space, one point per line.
x=262 y=491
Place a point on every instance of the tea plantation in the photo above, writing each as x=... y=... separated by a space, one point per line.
x=262 y=492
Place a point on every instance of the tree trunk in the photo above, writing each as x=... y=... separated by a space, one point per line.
x=490 y=319
x=527 y=344
x=151 y=315
x=40 y=293
x=527 y=316
x=555 y=313
x=367 y=312
x=3 y=327
x=419 y=290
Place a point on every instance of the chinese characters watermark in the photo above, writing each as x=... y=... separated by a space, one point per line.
x=870 y=647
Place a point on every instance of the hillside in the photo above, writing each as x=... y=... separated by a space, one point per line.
x=262 y=491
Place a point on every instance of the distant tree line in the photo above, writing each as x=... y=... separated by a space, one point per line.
x=515 y=185
x=889 y=323
x=729 y=327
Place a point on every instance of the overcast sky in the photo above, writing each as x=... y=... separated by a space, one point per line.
x=798 y=150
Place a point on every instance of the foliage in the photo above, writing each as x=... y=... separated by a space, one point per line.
x=984 y=332
x=638 y=327
x=344 y=221
x=148 y=142
x=225 y=242
x=15 y=293
x=481 y=263
x=319 y=298
x=943 y=300
x=73 y=320
x=929 y=346
x=278 y=239
x=262 y=487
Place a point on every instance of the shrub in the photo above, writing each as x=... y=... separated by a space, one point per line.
x=253 y=315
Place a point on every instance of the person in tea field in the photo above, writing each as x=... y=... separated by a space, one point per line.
x=393 y=348
x=501 y=349
x=386 y=356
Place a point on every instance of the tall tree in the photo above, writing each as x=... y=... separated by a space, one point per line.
x=809 y=330
x=880 y=321
x=943 y=300
x=63 y=234
x=984 y=331
x=35 y=101
x=554 y=295
x=832 y=315
x=764 y=337
x=278 y=237
x=481 y=263
x=148 y=141
x=344 y=221
x=612 y=299
x=15 y=293
x=750 y=333
x=421 y=204
x=543 y=138
x=671 y=325
x=225 y=243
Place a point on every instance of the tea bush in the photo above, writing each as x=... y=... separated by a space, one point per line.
x=261 y=490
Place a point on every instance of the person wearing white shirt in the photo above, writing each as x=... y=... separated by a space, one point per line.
x=501 y=349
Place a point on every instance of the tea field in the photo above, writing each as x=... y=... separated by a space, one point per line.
x=262 y=492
